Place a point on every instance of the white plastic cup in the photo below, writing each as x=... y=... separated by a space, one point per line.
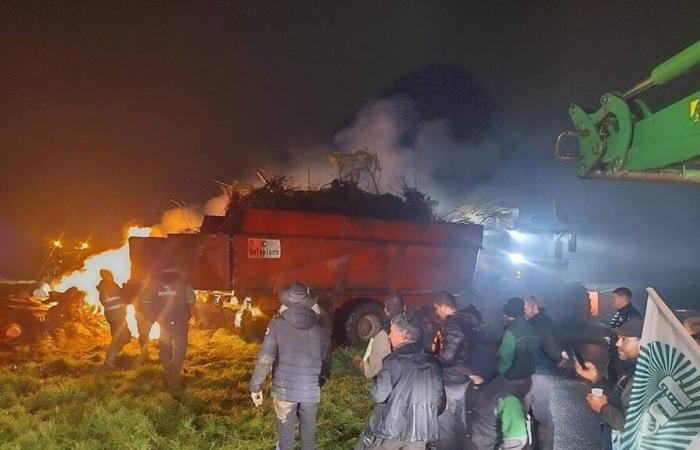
x=597 y=392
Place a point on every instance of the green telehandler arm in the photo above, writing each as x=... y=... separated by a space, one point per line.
x=624 y=139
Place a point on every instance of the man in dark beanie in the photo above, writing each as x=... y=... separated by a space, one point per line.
x=379 y=346
x=297 y=350
x=518 y=349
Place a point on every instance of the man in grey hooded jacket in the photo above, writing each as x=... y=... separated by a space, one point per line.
x=297 y=350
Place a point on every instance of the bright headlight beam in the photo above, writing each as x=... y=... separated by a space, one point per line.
x=517 y=236
x=517 y=258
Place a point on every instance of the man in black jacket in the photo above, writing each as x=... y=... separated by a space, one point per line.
x=459 y=334
x=297 y=350
x=548 y=356
x=408 y=394
x=168 y=301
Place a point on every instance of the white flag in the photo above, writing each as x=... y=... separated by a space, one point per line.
x=664 y=410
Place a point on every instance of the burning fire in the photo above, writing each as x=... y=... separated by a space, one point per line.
x=116 y=261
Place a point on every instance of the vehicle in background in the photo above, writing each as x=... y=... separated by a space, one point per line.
x=520 y=257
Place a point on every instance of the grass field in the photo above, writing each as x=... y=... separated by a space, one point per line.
x=59 y=399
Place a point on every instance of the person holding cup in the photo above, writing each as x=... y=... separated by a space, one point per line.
x=610 y=398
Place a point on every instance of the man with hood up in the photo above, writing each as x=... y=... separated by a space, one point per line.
x=297 y=350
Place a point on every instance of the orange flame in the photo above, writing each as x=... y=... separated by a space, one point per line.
x=116 y=261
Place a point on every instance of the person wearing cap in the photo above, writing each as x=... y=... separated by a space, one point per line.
x=612 y=405
x=495 y=416
x=408 y=393
x=379 y=346
x=459 y=334
x=625 y=310
x=296 y=349
x=111 y=298
x=518 y=349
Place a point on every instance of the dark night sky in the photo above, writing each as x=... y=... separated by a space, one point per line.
x=109 y=109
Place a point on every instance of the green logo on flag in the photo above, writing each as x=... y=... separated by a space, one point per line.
x=664 y=410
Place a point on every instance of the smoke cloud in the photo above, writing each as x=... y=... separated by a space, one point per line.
x=432 y=129
x=189 y=217
x=423 y=154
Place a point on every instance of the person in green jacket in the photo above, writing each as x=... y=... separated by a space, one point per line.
x=518 y=349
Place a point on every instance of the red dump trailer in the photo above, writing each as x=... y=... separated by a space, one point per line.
x=352 y=262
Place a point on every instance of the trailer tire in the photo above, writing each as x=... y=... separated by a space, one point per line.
x=363 y=322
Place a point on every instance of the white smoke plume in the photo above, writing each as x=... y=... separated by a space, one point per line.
x=422 y=154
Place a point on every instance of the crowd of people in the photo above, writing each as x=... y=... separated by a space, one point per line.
x=451 y=391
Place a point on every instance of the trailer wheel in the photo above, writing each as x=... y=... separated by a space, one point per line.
x=363 y=322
